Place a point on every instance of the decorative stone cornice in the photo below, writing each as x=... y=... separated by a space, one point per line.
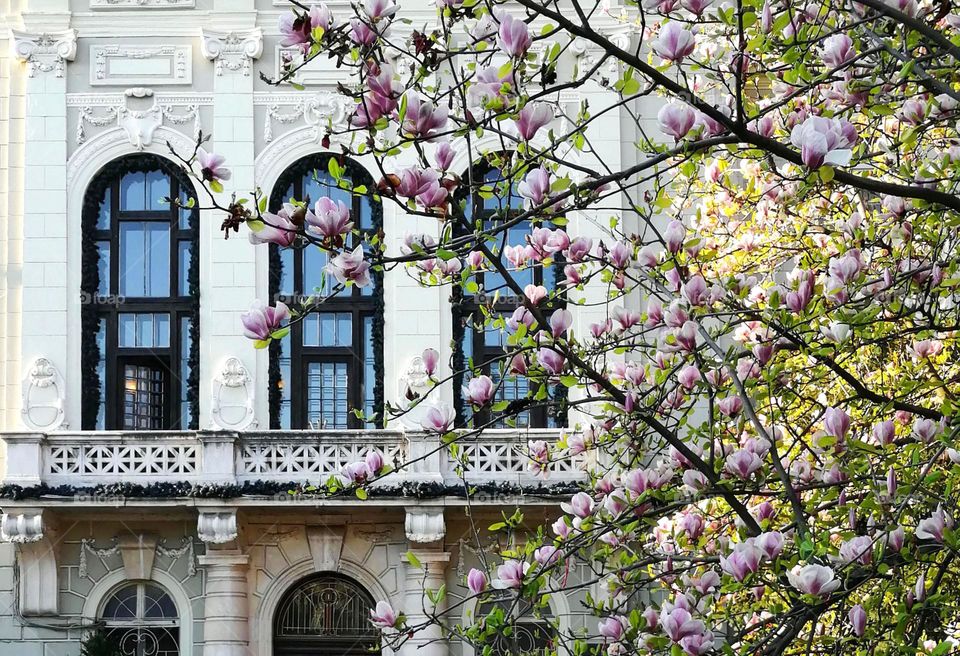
x=232 y=51
x=424 y=526
x=44 y=53
x=22 y=527
x=217 y=527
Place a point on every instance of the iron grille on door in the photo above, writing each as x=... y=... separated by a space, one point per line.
x=325 y=614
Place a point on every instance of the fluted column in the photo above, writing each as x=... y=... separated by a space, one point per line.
x=417 y=605
x=226 y=609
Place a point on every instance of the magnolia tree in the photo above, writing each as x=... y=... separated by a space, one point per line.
x=773 y=428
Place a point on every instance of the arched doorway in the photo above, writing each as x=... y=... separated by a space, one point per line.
x=325 y=614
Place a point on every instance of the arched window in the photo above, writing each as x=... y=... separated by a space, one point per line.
x=332 y=362
x=141 y=619
x=325 y=614
x=140 y=298
x=496 y=200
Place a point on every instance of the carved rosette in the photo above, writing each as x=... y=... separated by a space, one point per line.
x=44 y=53
x=232 y=52
x=232 y=407
x=217 y=527
x=42 y=395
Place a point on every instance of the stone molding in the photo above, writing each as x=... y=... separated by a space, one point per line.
x=45 y=52
x=232 y=52
x=424 y=526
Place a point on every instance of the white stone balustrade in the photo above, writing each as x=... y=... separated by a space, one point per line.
x=88 y=458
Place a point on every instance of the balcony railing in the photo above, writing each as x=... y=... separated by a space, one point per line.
x=93 y=458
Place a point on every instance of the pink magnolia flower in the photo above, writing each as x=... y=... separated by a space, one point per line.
x=742 y=463
x=535 y=293
x=561 y=528
x=858 y=549
x=422 y=118
x=836 y=422
x=925 y=429
x=824 y=141
x=913 y=111
x=430 y=360
x=535 y=186
x=296 y=29
x=476 y=581
x=858 y=620
x=674 y=236
x=689 y=376
x=695 y=290
x=560 y=322
x=531 y=118
x=514 y=35
x=444 y=155
x=730 y=406
x=697 y=644
x=383 y=616
x=621 y=255
x=742 y=561
x=510 y=574
x=581 y=505
x=277 y=228
x=350 y=267
x=479 y=390
x=770 y=543
x=377 y=10
x=697 y=7
x=212 y=167
x=551 y=361
x=674 y=42
x=677 y=623
x=439 y=418
x=926 y=348
x=611 y=628
x=818 y=580
x=578 y=249
x=261 y=321
x=934 y=526
x=547 y=555
x=356 y=473
x=374 y=460
x=361 y=33
x=838 y=50
x=676 y=119
x=330 y=219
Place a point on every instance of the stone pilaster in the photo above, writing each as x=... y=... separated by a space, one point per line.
x=226 y=608
x=417 y=604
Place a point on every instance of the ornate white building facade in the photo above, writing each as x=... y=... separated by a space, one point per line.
x=190 y=539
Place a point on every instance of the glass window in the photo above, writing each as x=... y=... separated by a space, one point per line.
x=143 y=251
x=141 y=619
x=326 y=369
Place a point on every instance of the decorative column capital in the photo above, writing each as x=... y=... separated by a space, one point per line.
x=22 y=526
x=46 y=52
x=217 y=526
x=425 y=525
x=232 y=51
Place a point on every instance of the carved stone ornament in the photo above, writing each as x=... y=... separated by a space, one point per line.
x=44 y=53
x=217 y=527
x=42 y=397
x=145 y=4
x=139 y=120
x=414 y=385
x=319 y=111
x=232 y=51
x=232 y=407
x=424 y=526
x=22 y=526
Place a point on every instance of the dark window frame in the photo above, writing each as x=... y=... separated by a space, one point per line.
x=97 y=308
x=467 y=313
x=359 y=305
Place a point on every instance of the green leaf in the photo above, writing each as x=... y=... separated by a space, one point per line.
x=281 y=333
x=445 y=255
x=261 y=343
x=412 y=559
x=361 y=494
x=216 y=187
x=826 y=173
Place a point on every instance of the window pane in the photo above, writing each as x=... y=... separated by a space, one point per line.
x=369 y=371
x=183 y=271
x=103 y=268
x=143 y=397
x=284 y=364
x=144 y=259
x=122 y=605
x=158 y=189
x=327 y=385
x=314 y=260
x=186 y=414
x=514 y=387
x=133 y=192
x=328 y=329
x=103 y=217
x=157 y=603
x=186 y=215
x=144 y=330
x=286 y=271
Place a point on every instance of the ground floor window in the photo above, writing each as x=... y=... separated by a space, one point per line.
x=141 y=619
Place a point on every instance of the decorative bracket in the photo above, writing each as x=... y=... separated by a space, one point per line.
x=232 y=51
x=326 y=546
x=424 y=526
x=45 y=52
x=217 y=527
x=22 y=526
x=42 y=397
x=232 y=407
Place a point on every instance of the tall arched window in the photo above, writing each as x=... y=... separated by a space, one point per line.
x=482 y=347
x=332 y=362
x=141 y=619
x=140 y=298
